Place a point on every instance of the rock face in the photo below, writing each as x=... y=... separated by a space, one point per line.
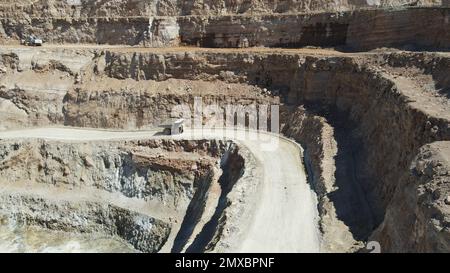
x=162 y=32
x=143 y=232
x=353 y=31
x=317 y=137
x=362 y=140
x=33 y=85
x=110 y=90
x=124 y=8
x=100 y=103
x=140 y=191
x=121 y=169
x=420 y=205
x=230 y=23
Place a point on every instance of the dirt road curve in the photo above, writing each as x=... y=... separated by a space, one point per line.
x=285 y=219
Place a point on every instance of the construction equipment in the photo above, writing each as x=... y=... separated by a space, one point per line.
x=173 y=126
x=32 y=41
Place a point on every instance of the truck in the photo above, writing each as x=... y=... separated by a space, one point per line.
x=173 y=126
x=32 y=41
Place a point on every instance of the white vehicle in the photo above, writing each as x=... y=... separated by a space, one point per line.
x=173 y=126
x=33 y=41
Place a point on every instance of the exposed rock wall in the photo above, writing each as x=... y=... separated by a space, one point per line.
x=89 y=88
x=401 y=29
x=323 y=29
x=129 y=31
x=131 y=169
x=418 y=217
x=143 y=232
x=371 y=112
x=33 y=85
x=317 y=137
x=389 y=127
x=124 y=8
x=353 y=30
x=361 y=30
x=235 y=206
x=130 y=104
x=152 y=193
x=275 y=70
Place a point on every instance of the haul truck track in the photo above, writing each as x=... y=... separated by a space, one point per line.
x=285 y=213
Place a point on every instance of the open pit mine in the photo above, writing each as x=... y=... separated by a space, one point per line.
x=224 y=126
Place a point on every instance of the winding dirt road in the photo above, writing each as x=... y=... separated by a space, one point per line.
x=285 y=218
